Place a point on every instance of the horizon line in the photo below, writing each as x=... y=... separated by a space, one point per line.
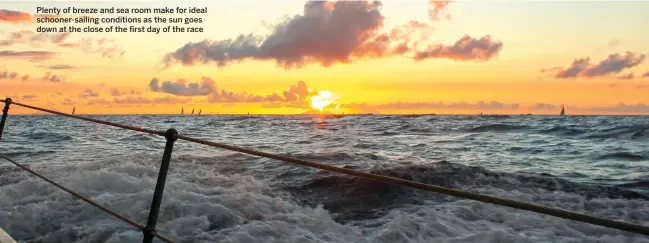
x=330 y=114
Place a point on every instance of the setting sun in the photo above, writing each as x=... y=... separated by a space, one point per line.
x=322 y=100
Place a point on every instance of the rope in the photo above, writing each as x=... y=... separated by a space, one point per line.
x=561 y=213
x=117 y=215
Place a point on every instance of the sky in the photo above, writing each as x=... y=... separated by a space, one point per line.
x=294 y=57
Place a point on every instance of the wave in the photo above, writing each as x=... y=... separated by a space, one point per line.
x=385 y=133
x=636 y=185
x=139 y=137
x=29 y=153
x=229 y=118
x=564 y=130
x=618 y=132
x=214 y=195
x=623 y=156
x=207 y=202
x=641 y=133
x=493 y=116
x=355 y=199
x=636 y=132
x=497 y=128
x=47 y=136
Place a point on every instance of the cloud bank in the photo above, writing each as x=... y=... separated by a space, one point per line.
x=334 y=32
x=613 y=64
x=182 y=88
x=48 y=77
x=13 y=75
x=543 y=106
x=622 y=108
x=296 y=95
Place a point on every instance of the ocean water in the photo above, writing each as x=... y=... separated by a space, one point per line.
x=589 y=164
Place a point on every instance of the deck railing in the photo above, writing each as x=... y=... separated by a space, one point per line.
x=172 y=135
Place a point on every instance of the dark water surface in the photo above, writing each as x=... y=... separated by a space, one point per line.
x=594 y=165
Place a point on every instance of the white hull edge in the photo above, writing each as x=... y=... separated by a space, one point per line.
x=5 y=238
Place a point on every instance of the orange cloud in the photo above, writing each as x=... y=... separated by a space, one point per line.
x=143 y=101
x=493 y=105
x=182 y=88
x=333 y=32
x=208 y=87
x=543 y=106
x=30 y=55
x=296 y=96
x=626 y=76
x=12 y=75
x=88 y=93
x=67 y=101
x=621 y=108
x=613 y=64
x=15 y=17
x=645 y=75
x=552 y=69
x=48 y=77
x=135 y=100
x=58 y=66
x=437 y=8
x=466 y=48
x=116 y=92
x=53 y=78
x=18 y=17
x=29 y=97
x=105 y=47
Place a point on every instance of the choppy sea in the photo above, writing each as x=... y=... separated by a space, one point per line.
x=598 y=165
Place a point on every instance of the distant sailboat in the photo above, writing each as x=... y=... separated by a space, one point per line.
x=200 y=111
x=182 y=110
x=192 y=111
x=74 y=109
x=563 y=111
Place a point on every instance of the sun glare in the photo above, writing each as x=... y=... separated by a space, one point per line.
x=322 y=100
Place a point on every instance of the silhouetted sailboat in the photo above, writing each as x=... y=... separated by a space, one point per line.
x=74 y=109
x=563 y=111
x=182 y=110
x=192 y=111
x=200 y=111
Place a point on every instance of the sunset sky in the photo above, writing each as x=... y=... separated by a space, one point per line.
x=291 y=57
